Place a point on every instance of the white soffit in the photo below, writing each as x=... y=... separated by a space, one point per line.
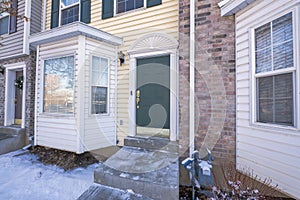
x=230 y=7
x=71 y=30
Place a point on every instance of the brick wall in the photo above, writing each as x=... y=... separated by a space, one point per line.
x=30 y=91
x=214 y=79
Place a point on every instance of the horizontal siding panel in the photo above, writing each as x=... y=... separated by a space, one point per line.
x=243 y=116
x=12 y=44
x=277 y=135
x=284 y=152
x=70 y=137
x=63 y=126
x=264 y=172
x=53 y=119
x=277 y=165
x=36 y=16
x=53 y=144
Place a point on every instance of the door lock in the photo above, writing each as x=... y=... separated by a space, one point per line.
x=138 y=94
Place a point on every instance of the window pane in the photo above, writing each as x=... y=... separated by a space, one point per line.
x=68 y=2
x=70 y=15
x=99 y=100
x=4 y=25
x=99 y=71
x=263 y=37
x=263 y=60
x=282 y=29
x=283 y=55
x=127 y=5
x=59 y=85
x=275 y=99
x=284 y=99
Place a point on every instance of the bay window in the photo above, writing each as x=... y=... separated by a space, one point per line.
x=99 y=86
x=275 y=72
x=59 y=85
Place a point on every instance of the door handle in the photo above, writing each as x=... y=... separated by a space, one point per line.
x=138 y=94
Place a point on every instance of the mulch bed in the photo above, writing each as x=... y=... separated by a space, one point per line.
x=64 y=159
x=185 y=193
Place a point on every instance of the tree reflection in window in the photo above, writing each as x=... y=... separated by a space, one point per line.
x=59 y=85
x=99 y=88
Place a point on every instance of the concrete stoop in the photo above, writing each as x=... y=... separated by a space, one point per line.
x=151 y=173
x=99 y=192
x=11 y=138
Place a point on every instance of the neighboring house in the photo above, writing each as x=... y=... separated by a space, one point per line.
x=267 y=89
x=93 y=84
x=17 y=64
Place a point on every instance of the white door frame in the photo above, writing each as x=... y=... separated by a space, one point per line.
x=10 y=73
x=173 y=90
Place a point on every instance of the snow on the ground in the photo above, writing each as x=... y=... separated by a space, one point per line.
x=22 y=177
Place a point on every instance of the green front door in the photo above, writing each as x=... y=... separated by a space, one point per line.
x=153 y=94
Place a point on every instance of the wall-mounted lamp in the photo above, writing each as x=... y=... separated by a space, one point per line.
x=121 y=56
x=2 y=69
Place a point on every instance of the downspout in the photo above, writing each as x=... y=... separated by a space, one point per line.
x=27 y=19
x=192 y=78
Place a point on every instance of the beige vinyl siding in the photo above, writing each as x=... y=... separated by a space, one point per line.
x=52 y=130
x=36 y=16
x=269 y=151
x=12 y=44
x=99 y=130
x=131 y=26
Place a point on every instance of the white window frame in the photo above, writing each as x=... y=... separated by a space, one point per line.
x=294 y=70
x=115 y=8
x=108 y=86
x=67 y=7
x=42 y=88
x=2 y=16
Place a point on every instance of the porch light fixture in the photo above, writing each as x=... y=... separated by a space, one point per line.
x=2 y=69
x=121 y=57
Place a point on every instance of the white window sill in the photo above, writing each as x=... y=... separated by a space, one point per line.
x=128 y=12
x=275 y=128
x=51 y=115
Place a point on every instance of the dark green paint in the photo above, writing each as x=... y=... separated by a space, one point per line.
x=153 y=81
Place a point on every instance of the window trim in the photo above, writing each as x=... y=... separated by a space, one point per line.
x=296 y=72
x=67 y=7
x=4 y=15
x=42 y=83
x=134 y=10
x=91 y=85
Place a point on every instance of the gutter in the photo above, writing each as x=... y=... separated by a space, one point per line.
x=192 y=79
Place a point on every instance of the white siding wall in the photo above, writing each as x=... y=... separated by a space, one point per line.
x=12 y=44
x=52 y=130
x=100 y=130
x=36 y=16
x=269 y=151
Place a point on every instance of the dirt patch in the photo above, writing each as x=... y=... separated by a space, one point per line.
x=64 y=159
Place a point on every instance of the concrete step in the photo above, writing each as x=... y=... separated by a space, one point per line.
x=153 y=173
x=99 y=192
x=11 y=138
x=151 y=143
